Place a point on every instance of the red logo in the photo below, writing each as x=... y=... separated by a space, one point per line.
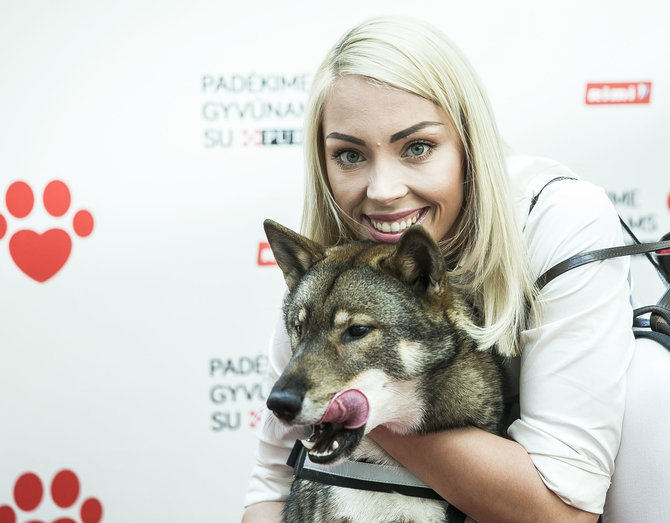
x=618 y=93
x=265 y=256
x=65 y=489
x=42 y=255
x=255 y=416
x=254 y=137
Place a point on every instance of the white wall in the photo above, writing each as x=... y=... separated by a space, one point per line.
x=138 y=365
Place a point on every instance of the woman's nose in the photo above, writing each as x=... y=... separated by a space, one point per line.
x=386 y=185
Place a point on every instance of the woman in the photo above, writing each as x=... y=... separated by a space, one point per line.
x=399 y=131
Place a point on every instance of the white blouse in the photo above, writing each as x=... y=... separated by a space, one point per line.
x=573 y=364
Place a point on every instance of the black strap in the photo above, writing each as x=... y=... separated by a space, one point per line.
x=659 y=319
x=535 y=198
x=303 y=469
x=658 y=337
x=602 y=254
x=660 y=313
x=662 y=261
x=299 y=460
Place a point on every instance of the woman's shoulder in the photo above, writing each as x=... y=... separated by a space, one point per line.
x=548 y=191
x=560 y=214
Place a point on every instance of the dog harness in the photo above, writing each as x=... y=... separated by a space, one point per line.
x=365 y=476
x=359 y=475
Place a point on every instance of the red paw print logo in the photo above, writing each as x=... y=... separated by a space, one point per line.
x=28 y=494
x=40 y=256
x=265 y=255
x=255 y=418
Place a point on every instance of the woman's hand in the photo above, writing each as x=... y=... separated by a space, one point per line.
x=488 y=477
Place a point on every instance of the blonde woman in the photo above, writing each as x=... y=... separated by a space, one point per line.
x=399 y=131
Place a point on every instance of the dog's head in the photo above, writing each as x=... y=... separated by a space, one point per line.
x=360 y=319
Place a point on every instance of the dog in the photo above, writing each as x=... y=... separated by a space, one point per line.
x=378 y=338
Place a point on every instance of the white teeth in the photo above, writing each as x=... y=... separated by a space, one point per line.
x=309 y=445
x=395 y=226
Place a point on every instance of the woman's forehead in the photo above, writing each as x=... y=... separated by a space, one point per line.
x=358 y=104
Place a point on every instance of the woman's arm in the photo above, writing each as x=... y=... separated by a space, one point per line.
x=265 y=512
x=487 y=477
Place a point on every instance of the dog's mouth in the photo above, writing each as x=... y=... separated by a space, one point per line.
x=341 y=428
x=330 y=441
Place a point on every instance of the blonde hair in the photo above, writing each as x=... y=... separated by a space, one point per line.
x=487 y=250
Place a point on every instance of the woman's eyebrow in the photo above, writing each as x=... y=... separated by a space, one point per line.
x=411 y=130
x=346 y=138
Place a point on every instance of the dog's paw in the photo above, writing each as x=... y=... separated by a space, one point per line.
x=64 y=492
x=41 y=256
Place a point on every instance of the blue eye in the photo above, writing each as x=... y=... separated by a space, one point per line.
x=419 y=149
x=350 y=157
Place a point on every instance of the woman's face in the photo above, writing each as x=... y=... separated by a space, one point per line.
x=393 y=160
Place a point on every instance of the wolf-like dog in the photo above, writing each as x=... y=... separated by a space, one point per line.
x=379 y=337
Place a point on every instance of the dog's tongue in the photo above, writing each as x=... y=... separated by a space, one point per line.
x=349 y=407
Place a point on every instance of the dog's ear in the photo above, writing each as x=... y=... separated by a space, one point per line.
x=418 y=261
x=294 y=253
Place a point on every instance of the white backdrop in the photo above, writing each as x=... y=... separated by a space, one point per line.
x=134 y=359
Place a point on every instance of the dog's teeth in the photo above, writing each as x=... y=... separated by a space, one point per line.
x=320 y=454
x=309 y=445
x=335 y=445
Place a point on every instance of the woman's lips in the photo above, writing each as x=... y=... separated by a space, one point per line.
x=389 y=227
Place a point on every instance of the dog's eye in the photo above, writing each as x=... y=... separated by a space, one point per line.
x=298 y=330
x=357 y=331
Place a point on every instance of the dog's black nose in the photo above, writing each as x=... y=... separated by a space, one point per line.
x=285 y=403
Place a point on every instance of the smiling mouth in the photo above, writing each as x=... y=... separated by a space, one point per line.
x=396 y=226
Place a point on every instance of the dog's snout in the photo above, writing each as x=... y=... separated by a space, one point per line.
x=286 y=404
